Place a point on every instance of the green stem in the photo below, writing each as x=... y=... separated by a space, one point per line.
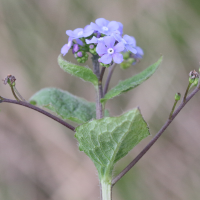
x=19 y=95
x=186 y=92
x=173 y=109
x=14 y=93
x=106 y=190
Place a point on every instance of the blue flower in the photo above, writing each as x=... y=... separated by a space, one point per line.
x=80 y=32
x=129 y=43
x=66 y=47
x=109 y=52
x=104 y=26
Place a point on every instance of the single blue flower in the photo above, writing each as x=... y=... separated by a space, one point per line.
x=66 y=47
x=80 y=32
x=109 y=52
x=129 y=43
x=104 y=26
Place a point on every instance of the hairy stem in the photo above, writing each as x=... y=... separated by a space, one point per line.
x=160 y=132
x=96 y=70
x=106 y=190
x=22 y=103
x=110 y=72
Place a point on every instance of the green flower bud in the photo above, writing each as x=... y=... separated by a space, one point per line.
x=78 y=60
x=126 y=56
x=130 y=60
x=125 y=65
x=191 y=80
x=195 y=83
x=177 y=96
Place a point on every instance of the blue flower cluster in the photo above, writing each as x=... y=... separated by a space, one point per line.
x=103 y=38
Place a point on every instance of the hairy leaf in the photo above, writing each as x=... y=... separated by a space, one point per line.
x=65 y=105
x=78 y=71
x=128 y=84
x=109 y=139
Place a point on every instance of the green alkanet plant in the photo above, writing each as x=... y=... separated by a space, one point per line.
x=103 y=138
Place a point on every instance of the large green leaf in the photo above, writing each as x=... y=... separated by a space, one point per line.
x=78 y=71
x=109 y=139
x=132 y=82
x=65 y=105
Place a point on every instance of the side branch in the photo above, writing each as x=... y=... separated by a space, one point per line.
x=160 y=132
x=111 y=69
x=28 y=105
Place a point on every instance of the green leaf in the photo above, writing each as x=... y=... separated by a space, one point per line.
x=128 y=84
x=65 y=105
x=109 y=139
x=79 y=71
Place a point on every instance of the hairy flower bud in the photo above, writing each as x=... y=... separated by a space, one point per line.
x=177 y=96
x=193 y=74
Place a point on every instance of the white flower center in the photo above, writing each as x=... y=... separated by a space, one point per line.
x=80 y=33
x=110 y=51
x=104 y=28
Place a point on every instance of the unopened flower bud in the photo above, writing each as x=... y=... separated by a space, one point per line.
x=177 y=96
x=75 y=48
x=191 y=80
x=91 y=46
x=193 y=74
x=79 y=54
x=10 y=80
x=195 y=83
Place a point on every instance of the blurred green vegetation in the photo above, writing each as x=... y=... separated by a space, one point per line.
x=39 y=159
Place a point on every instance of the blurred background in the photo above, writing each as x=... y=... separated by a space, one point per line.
x=39 y=158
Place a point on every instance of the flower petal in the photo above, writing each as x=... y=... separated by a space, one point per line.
x=119 y=47
x=95 y=27
x=101 y=48
x=140 y=52
x=65 y=49
x=93 y=40
x=87 y=31
x=112 y=26
x=101 y=22
x=70 y=33
x=130 y=40
x=120 y=29
x=109 y=41
x=131 y=49
x=106 y=59
x=118 y=58
x=79 y=42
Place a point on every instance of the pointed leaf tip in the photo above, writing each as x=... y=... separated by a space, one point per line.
x=79 y=71
x=131 y=83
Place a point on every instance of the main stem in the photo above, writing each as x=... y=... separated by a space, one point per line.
x=106 y=190
x=96 y=70
x=105 y=186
